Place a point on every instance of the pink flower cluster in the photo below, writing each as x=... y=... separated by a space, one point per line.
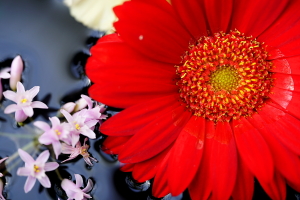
x=81 y=118
x=67 y=134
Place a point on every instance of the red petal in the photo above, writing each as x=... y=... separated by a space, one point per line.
x=210 y=129
x=253 y=150
x=254 y=17
x=293 y=106
x=113 y=145
x=282 y=125
x=284 y=33
x=138 y=27
x=127 y=167
x=244 y=185
x=218 y=13
x=160 y=183
x=201 y=186
x=275 y=188
x=287 y=65
x=287 y=20
x=155 y=136
x=287 y=82
x=186 y=155
x=223 y=162
x=135 y=77
x=132 y=119
x=285 y=161
x=146 y=170
x=281 y=96
x=192 y=15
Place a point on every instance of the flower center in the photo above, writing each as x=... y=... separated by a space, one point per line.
x=57 y=132
x=24 y=100
x=77 y=126
x=225 y=76
x=36 y=169
x=83 y=151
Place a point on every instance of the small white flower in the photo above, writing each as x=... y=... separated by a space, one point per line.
x=35 y=169
x=59 y=131
x=79 y=126
x=73 y=190
x=24 y=104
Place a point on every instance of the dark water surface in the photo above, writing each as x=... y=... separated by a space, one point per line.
x=54 y=48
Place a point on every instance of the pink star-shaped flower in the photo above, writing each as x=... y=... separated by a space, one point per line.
x=78 y=150
x=79 y=126
x=24 y=104
x=73 y=190
x=59 y=131
x=35 y=169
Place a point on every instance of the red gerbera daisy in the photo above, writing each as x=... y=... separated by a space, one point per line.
x=210 y=90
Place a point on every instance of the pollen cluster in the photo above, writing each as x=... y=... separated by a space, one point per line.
x=225 y=76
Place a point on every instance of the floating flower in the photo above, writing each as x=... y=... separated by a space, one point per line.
x=79 y=126
x=35 y=169
x=78 y=150
x=5 y=75
x=58 y=132
x=73 y=190
x=94 y=13
x=25 y=105
x=211 y=95
x=1 y=161
x=16 y=72
x=92 y=113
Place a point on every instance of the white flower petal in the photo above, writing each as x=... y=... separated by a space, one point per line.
x=50 y=166
x=29 y=183
x=25 y=156
x=20 y=116
x=88 y=187
x=28 y=110
x=11 y=108
x=4 y=73
x=75 y=139
x=57 y=148
x=20 y=87
x=67 y=116
x=45 y=182
x=33 y=91
x=100 y=14
x=91 y=123
x=10 y=95
x=46 y=139
x=43 y=157
x=42 y=125
x=54 y=121
x=23 y=171
x=38 y=104
x=79 y=181
x=88 y=132
x=88 y=101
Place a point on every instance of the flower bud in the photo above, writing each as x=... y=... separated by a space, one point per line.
x=16 y=72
